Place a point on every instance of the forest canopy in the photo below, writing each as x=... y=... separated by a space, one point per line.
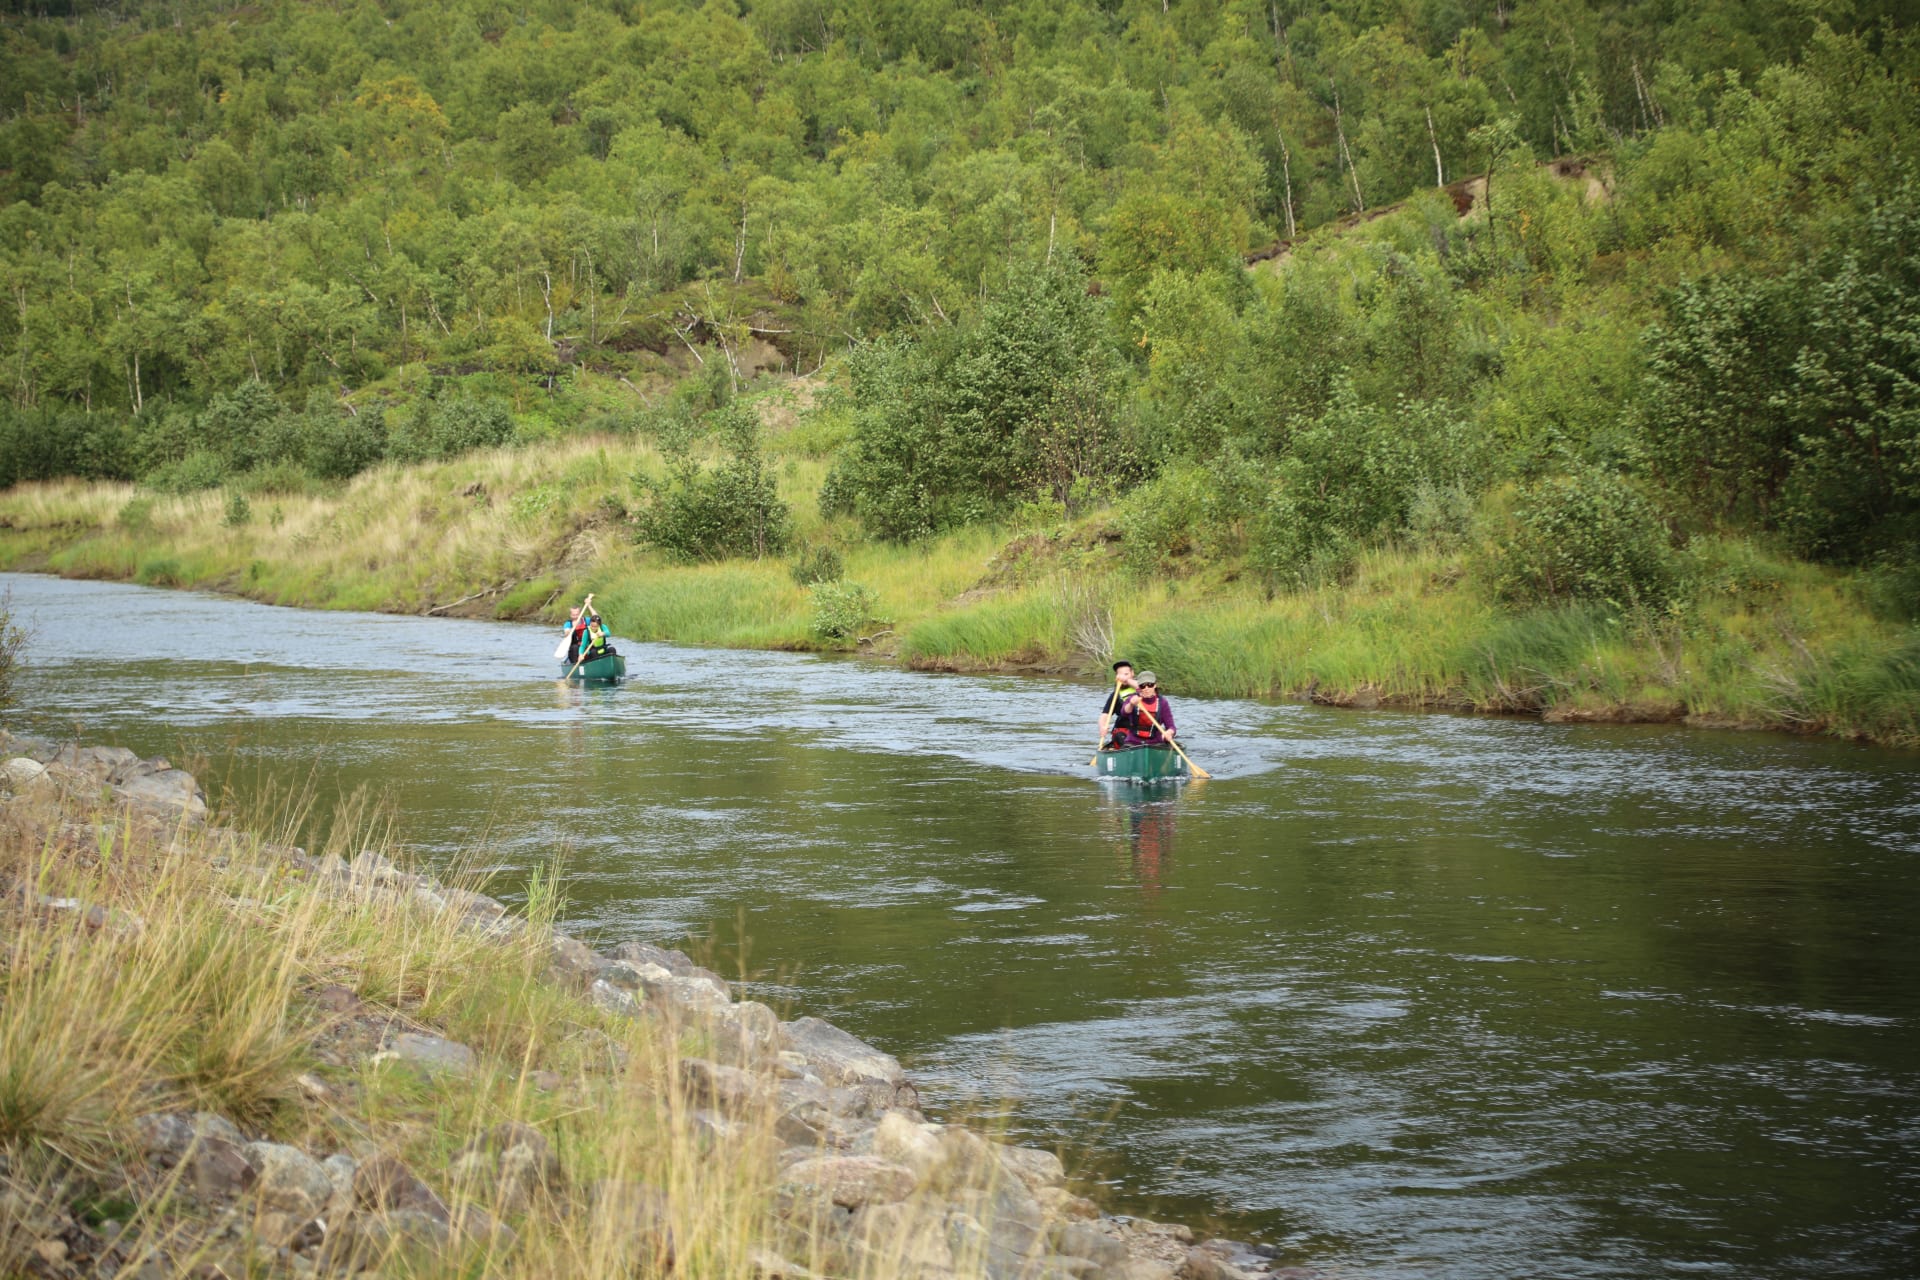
x=1063 y=249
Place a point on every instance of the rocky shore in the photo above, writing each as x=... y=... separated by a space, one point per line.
x=852 y=1177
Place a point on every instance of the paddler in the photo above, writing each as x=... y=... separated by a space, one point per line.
x=1111 y=732
x=1146 y=717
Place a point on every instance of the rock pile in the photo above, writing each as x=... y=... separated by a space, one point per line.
x=864 y=1182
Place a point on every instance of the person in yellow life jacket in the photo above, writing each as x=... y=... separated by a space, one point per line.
x=1147 y=717
x=586 y=637
x=594 y=639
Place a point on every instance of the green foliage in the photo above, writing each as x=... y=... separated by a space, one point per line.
x=952 y=429
x=441 y=425
x=238 y=510
x=1354 y=475
x=1792 y=402
x=340 y=444
x=817 y=562
x=841 y=610
x=12 y=641
x=1192 y=513
x=1586 y=536
x=710 y=513
x=160 y=571
x=135 y=515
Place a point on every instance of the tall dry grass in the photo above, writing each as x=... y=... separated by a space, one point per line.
x=197 y=986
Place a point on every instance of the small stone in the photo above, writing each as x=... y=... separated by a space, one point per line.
x=851 y=1181
x=51 y=1252
x=548 y=1081
x=433 y=1053
x=573 y=960
x=1086 y=1241
x=20 y=771
x=290 y=1180
x=727 y=1088
x=603 y=995
x=1063 y=1204
x=1034 y=1167
x=1140 y=1269
x=220 y=1169
x=385 y=1183
x=313 y=1087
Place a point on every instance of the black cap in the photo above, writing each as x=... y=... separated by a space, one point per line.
x=1122 y=663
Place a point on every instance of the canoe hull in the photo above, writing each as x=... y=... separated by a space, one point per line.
x=1141 y=764
x=610 y=666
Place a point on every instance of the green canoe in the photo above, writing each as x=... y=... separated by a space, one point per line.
x=609 y=666
x=1142 y=763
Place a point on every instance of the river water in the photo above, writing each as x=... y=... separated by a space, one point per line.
x=1404 y=995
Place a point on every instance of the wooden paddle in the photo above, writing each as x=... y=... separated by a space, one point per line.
x=1107 y=728
x=586 y=612
x=1198 y=772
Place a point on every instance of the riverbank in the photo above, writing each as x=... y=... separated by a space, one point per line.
x=227 y=1054
x=1757 y=641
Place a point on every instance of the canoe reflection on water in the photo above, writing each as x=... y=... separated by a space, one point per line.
x=1142 y=832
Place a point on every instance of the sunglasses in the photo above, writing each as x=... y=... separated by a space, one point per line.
x=1149 y=685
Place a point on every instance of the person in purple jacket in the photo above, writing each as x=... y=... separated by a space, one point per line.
x=1148 y=717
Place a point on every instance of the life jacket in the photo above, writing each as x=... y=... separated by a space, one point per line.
x=1141 y=728
x=596 y=639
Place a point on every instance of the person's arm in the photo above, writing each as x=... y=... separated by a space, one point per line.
x=1166 y=717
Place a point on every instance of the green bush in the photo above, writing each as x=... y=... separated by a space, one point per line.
x=12 y=641
x=817 y=563
x=160 y=571
x=960 y=425
x=341 y=445
x=440 y=426
x=1355 y=474
x=712 y=513
x=238 y=510
x=1193 y=512
x=136 y=516
x=1586 y=536
x=840 y=609
x=201 y=469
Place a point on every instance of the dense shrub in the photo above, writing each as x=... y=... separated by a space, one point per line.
x=840 y=609
x=1352 y=475
x=712 y=513
x=817 y=563
x=439 y=426
x=1192 y=511
x=1586 y=536
x=339 y=445
x=956 y=427
x=1792 y=402
x=43 y=443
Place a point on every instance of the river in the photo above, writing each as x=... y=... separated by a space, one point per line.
x=1404 y=995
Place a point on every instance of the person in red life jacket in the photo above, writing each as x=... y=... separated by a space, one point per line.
x=1112 y=732
x=1148 y=716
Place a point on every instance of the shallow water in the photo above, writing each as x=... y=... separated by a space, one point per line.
x=1406 y=995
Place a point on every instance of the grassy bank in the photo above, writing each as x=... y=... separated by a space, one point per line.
x=193 y=1016
x=1756 y=641
x=215 y=984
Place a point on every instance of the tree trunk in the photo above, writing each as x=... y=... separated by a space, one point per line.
x=1439 y=174
x=1359 y=199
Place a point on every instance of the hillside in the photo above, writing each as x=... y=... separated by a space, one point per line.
x=1269 y=342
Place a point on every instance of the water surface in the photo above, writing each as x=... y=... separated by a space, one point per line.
x=1405 y=995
